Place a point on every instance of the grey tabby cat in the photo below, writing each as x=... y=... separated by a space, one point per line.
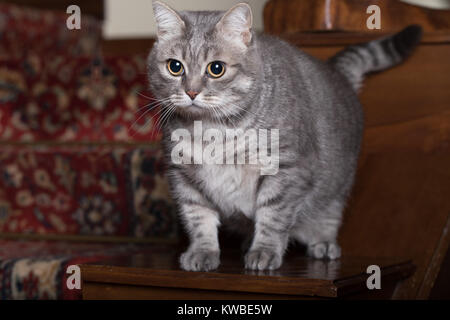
x=211 y=66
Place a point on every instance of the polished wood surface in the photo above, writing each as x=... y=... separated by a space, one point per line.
x=330 y=39
x=299 y=275
x=113 y=291
x=290 y=16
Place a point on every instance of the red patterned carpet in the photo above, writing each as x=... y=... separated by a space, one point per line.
x=37 y=269
x=79 y=151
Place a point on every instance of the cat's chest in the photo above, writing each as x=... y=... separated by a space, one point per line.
x=231 y=187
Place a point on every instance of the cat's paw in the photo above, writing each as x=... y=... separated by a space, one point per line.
x=200 y=260
x=325 y=250
x=263 y=259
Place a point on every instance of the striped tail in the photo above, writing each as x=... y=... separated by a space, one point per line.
x=356 y=61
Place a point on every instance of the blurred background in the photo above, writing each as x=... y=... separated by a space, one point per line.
x=123 y=20
x=134 y=19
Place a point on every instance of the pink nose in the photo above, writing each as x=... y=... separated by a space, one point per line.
x=192 y=94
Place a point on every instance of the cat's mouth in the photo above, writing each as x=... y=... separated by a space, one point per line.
x=193 y=108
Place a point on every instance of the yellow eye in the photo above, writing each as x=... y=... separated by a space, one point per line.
x=216 y=69
x=175 y=67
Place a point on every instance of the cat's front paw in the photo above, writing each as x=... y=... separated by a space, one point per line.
x=325 y=250
x=200 y=260
x=263 y=259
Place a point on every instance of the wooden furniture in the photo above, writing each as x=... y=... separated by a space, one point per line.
x=158 y=276
x=290 y=16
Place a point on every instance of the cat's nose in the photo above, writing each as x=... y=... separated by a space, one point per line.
x=192 y=94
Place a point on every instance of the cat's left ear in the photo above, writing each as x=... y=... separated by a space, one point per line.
x=236 y=24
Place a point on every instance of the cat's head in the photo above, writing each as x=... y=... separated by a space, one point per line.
x=204 y=63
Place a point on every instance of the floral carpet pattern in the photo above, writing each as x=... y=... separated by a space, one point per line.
x=79 y=152
x=27 y=31
x=97 y=191
x=85 y=99
x=34 y=270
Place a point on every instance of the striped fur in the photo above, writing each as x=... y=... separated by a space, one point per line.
x=357 y=61
x=269 y=84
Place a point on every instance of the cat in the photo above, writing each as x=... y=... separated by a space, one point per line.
x=210 y=66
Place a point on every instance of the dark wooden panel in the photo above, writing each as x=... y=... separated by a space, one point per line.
x=329 y=39
x=111 y=291
x=400 y=202
x=415 y=89
x=288 y=16
x=441 y=288
x=127 y=47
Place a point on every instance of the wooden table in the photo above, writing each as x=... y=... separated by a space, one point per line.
x=157 y=276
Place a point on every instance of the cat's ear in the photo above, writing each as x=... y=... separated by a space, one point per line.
x=169 y=22
x=236 y=24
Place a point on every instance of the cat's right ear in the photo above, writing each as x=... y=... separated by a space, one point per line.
x=169 y=23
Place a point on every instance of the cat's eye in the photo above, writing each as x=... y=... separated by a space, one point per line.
x=175 y=67
x=216 y=69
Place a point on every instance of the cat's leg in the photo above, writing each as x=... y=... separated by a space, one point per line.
x=201 y=222
x=203 y=253
x=319 y=231
x=274 y=218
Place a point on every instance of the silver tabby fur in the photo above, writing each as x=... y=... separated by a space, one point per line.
x=268 y=84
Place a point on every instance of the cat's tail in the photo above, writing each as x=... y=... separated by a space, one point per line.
x=356 y=61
